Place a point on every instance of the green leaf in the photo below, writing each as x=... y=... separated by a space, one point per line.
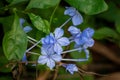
x=17 y=1
x=15 y=41
x=105 y=32
x=89 y=7
x=42 y=4
x=39 y=23
x=117 y=24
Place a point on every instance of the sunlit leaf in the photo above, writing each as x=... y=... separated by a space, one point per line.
x=17 y=1
x=42 y=3
x=39 y=23
x=105 y=33
x=89 y=6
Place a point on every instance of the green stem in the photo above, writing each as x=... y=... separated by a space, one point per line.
x=53 y=13
x=34 y=53
x=32 y=39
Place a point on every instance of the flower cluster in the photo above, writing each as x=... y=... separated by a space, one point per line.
x=52 y=45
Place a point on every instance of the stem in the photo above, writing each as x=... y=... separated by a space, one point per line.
x=33 y=46
x=34 y=43
x=53 y=13
x=65 y=23
x=71 y=50
x=32 y=39
x=34 y=53
x=74 y=60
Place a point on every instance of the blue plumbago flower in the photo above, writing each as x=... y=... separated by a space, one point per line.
x=74 y=31
x=49 y=57
x=26 y=28
x=56 y=41
x=76 y=16
x=24 y=59
x=71 y=68
x=22 y=21
x=82 y=39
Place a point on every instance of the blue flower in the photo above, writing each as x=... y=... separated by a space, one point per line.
x=56 y=41
x=71 y=68
x=26 y=28
x=24 y=59
x=82 y=39
x=49 y=57
x=76 y=16
x=74 y=31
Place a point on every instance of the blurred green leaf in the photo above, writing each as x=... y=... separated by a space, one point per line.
x=88 y=77
x=89 y=7
x=42 y=4
x=3 y=62
x=105 y=32
x=39 y=23
x=17 y=1
x=15 y=41
x=7 y=22
x=117 y=24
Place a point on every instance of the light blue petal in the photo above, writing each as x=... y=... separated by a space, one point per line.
x=58 y=33
x=73 y=30
x=47 y=49
x=70 y=11
x=22 y=21
x=77 y=19
x=56 y=57
x=27 y=29
x=43 y=51
x=42 y=59
x=57 y=48
x=24 y=59
x=81 y=40
x=87 y=53
x=51 y=64
x=63 y=41
x=88 y=32
x=89 y=43
x=52 y=39
x=49 y=39
x=71 y=68
x=43 y=41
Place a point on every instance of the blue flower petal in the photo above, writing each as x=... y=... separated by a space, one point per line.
x=58 y=33
x=80 y=40
x=22 y=21
x=70 y=11
x=77 y=19
x=57 y=48
x=56 y=57
x=24 y=59
x=42 y=59
x=71 y=68
x=87 y=53
x=48 y=39
x=88 y=32
x=89 y=43
x=50 y=63
x=73 y=30
x=43 y=51
x=27 y=29
x=63 y=41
